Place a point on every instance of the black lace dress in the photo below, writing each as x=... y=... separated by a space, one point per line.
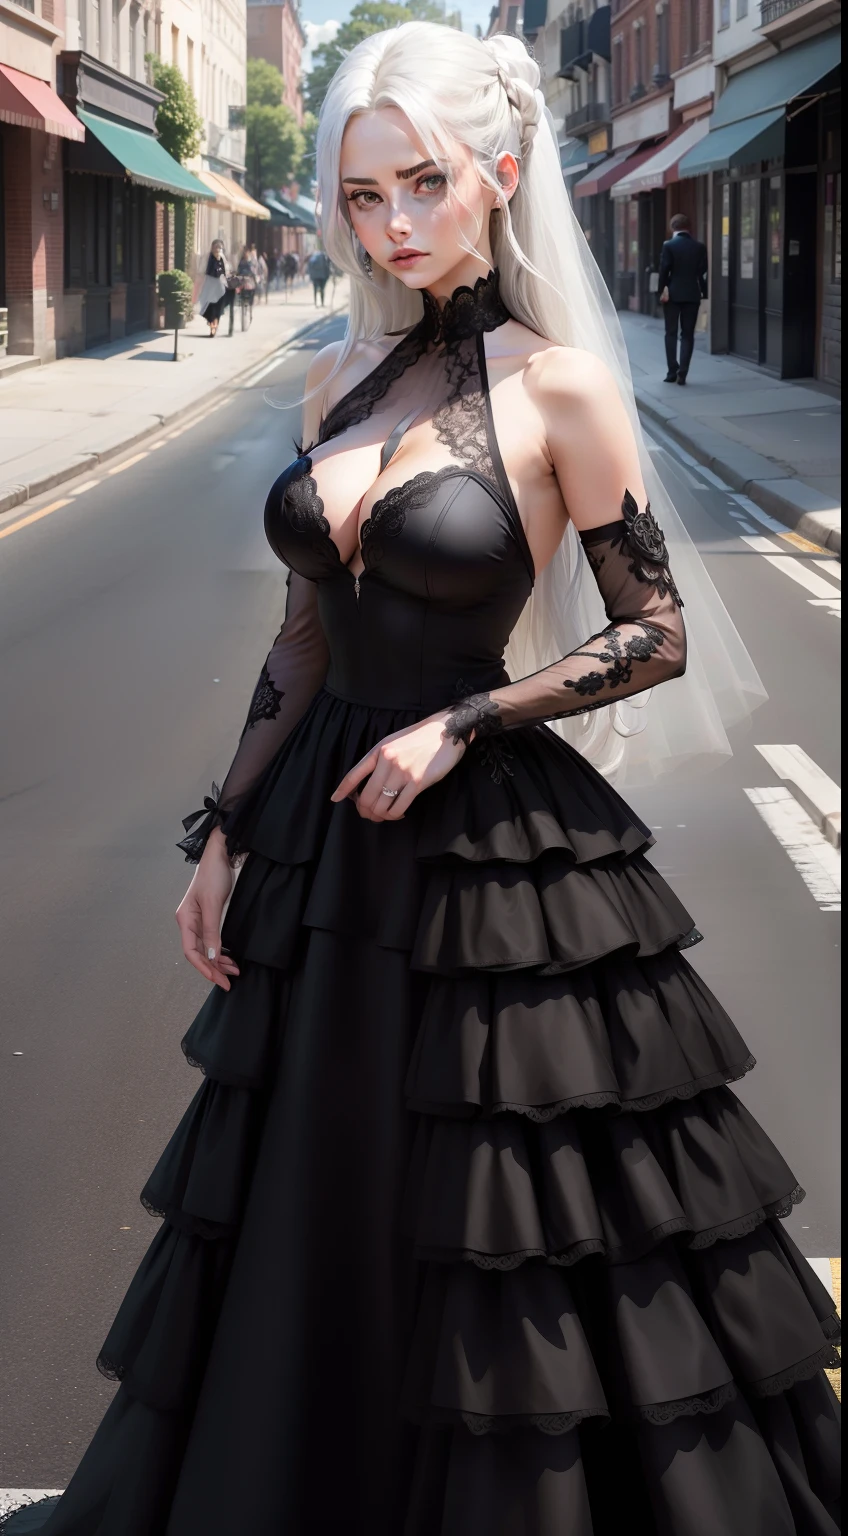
x=464 y=1233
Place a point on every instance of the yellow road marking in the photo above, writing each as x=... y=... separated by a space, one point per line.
x=128 y=463
x=835 y=1377
x=795 y=538
x=34 y=517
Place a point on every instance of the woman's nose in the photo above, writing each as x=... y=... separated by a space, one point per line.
x=399 y=225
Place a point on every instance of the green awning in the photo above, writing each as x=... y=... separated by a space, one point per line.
x=757 y=138
x=574 y=156
x=749 y=122
x=142 y=158
x=779 y=80
x=281 y=218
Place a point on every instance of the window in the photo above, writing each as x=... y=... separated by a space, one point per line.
x=175 y=47
x=512 y=20
x=617 y=75
x=116 y=33
x=662 y=43
x=723 y=15
x=741 y=9
x=639 y=53
x=190 y=64
x=135 y=30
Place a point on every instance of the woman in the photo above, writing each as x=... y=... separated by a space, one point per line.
x=215 y=291
x=464 y=1232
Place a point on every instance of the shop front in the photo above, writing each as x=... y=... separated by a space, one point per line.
x=112 y=183
x=773 y=150
x=643 y=197
x=618 y=225
x=226 y=219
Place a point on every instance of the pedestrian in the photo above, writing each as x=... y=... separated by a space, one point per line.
x=682 y=285
x=289 y=270
x=247 y=274
x=318 y=267
x=463 y=1231
x=263 y=283
x=214 y=293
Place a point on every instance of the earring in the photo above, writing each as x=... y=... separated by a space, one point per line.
x=367 y=265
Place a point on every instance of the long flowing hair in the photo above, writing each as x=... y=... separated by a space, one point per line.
x=486 y=95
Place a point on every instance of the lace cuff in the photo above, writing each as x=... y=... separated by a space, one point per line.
x=209 y=816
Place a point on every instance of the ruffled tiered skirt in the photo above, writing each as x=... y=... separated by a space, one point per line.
x=464 y=1233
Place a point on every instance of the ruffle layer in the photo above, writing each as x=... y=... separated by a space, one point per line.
x=627 y=1033
x=500 y=1192
x=549 y=799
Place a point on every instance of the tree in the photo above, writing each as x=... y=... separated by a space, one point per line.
x=305 y=172
x=274 y=141
x=178 y=121
x=367 y=17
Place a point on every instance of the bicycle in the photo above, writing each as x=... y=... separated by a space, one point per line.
x=246 y=296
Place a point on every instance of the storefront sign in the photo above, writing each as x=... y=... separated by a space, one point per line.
x=599 y=142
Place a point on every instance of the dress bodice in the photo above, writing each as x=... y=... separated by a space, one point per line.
x=446 y=568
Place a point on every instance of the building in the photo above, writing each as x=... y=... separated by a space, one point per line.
x=275 y=33
x=81 y=170
x=34 y=125
x=773 y=159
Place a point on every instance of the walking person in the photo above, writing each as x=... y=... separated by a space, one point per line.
x=247 y=274
x=682 y=286
x=263 y=282
x=318 y=267
x=215 y=293
x=464 y=1233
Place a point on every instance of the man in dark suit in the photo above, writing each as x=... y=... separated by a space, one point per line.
x=682 y=286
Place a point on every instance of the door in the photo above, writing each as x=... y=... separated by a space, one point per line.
x=774 y=267
x=745 y=271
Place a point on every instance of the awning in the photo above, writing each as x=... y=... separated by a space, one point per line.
x=302 y=217
x=573 y=156
x=142 y=158
x=598 y=179
x=280 y=217
x=228 y=194
x=757 y=138
x=602 y=177
x=661 y=168
x=31 y=103
x=748 y=123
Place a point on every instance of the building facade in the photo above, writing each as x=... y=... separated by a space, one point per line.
x=275 y=33
x=773 y=158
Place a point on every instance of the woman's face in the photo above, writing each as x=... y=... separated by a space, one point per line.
x=413 y=219
x=217 y=248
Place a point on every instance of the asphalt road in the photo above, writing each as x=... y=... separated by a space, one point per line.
x=132 y=626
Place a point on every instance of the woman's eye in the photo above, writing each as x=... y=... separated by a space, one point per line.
x=433 y=183
x=360 y=198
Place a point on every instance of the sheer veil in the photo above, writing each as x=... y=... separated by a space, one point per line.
x=487 y=95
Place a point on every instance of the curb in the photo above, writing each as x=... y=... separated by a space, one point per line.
x=774 y=489
x=13 y=496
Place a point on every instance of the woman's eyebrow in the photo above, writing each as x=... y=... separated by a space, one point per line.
x=371 y=181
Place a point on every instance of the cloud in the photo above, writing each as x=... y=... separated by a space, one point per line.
x=317 y=32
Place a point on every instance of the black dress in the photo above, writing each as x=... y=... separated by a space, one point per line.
x=464 y=1233
x=216 y=267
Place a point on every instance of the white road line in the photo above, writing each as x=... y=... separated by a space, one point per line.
x=18 y=1498
x=804 y=576
x=818 y=793
x=829 y=568
x=253 y=378
x=762 y=545
x=818 y=864
x=88 y=485
x=759 y=515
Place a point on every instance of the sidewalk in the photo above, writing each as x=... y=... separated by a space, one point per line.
x=777 y=441
x=58 y=420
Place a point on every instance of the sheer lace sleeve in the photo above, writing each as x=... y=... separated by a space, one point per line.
x=294 y=670
x=643 y=644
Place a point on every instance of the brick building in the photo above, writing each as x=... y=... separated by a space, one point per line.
x=275 y=33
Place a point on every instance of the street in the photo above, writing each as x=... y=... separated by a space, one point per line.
x=133 y=622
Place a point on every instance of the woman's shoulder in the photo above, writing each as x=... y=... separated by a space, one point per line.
x=360 y=361
x=558 y=377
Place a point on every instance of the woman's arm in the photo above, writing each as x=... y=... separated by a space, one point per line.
x=596 y=461
x=294 y=670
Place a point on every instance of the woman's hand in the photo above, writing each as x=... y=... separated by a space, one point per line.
x=199 y=913
x=407 y=762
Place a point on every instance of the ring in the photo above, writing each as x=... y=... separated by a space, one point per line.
x=392 y=793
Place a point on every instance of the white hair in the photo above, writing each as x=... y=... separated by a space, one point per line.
x=485 y=95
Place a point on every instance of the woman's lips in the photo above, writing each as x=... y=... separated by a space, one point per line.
x=407 y=258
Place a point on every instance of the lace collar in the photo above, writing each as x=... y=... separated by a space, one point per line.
x=467 y=312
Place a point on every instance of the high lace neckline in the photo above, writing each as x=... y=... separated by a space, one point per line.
x=468 y=311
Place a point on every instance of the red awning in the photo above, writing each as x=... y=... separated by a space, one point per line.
x=31 y=103
x=605 y=175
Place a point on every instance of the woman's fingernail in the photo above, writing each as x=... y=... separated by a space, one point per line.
x=210 y=954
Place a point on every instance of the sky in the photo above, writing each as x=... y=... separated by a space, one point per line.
x=321 y=19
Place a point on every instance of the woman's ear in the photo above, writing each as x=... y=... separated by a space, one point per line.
x=507 y=174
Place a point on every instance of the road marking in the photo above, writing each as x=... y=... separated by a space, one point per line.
x=832 y=604
x=261 y=373
x=817 y=862
x=830 y=567
x=818 y=793
x=34 y=517
x=805 y=544
x=88 y=485
x=128 y=463
x=19 y=1498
